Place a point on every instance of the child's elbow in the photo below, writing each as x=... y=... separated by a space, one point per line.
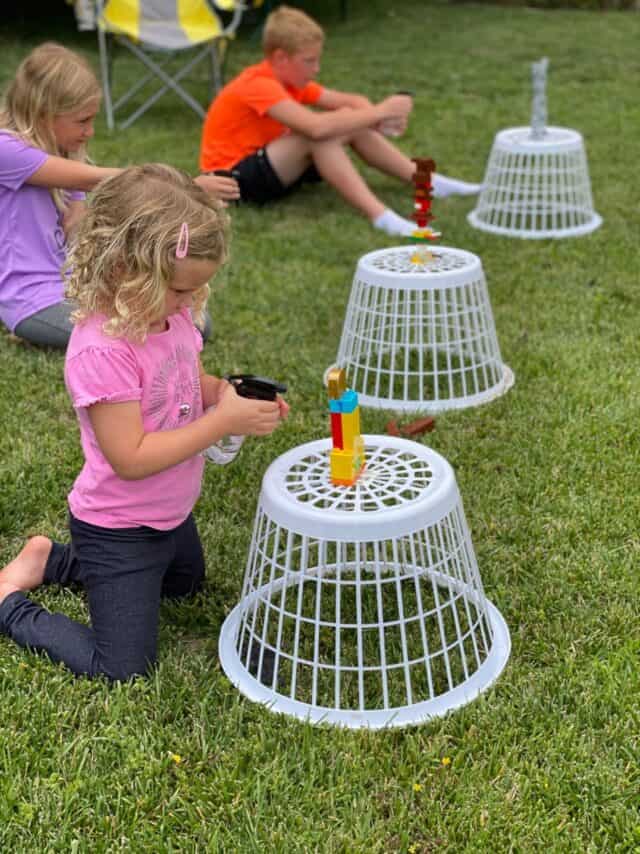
x=128 y=471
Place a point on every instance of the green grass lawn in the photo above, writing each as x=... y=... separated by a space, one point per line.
x=548 y=758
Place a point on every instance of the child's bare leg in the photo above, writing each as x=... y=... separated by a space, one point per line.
x=378 y=152
x=335 y=166
x=290 y=155
x=383 y=155
x=26 y=571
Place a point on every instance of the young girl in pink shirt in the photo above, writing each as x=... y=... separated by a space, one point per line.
x=46 y=122
x=138 y=271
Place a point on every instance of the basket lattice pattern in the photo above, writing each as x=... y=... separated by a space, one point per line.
x=536 y=188
x=363 y=628
x=419 y=334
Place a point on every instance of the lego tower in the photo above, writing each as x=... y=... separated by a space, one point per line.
x=422 y=199
x=347 y=455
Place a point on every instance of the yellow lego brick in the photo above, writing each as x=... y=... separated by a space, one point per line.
x=358 y=453
x=347 y=465
x=341 y=465
x=350 y=428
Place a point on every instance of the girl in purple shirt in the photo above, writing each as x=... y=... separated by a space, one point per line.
x=46 y=121
x=138 y=271
x=45 y=124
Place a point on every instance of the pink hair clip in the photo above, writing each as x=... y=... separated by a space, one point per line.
x=183 y=241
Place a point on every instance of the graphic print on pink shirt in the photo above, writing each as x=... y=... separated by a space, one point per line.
x=175 y=391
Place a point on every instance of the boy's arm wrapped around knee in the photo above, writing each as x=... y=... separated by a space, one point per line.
x=344 y=120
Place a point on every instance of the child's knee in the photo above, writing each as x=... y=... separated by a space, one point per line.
x=180 y=585
x=122 y=670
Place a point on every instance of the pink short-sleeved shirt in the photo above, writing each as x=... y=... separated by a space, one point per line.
x=163 y=375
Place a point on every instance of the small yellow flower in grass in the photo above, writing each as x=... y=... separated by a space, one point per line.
x=412 y=849
x=446 y=760
x=175 y=757
x=417 y=787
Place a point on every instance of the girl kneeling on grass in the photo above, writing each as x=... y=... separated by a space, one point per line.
x=46 y=121
x=138 y=271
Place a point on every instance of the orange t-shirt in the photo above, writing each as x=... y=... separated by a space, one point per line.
x=237 y=123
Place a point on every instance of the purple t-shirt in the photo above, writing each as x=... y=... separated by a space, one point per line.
x=32 y=241
x=163 y=375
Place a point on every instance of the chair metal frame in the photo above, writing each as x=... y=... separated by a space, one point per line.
x=156 y=65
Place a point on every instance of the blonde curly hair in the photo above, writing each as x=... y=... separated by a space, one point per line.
x=123 y=254
x=49 y=82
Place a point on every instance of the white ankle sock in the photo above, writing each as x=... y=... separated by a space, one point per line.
x=443 y=186
x=392 y=223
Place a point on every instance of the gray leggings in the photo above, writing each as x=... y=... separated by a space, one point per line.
x=52 y=326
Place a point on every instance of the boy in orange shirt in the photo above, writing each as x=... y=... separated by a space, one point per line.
x=261 y=129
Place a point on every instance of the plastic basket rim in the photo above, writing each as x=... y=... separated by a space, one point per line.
x=369 y=275
x=570 y=139
x=543 y=234
x=399 y=716
x=435 y=502
x=430 y=407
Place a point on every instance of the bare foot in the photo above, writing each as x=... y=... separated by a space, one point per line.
x=26 y=571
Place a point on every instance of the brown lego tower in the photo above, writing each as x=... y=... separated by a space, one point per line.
x=422 y=199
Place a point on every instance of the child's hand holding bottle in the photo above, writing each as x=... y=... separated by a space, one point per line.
x=240 y=417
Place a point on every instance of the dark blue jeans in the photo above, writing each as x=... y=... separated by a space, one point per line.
x=125 y=572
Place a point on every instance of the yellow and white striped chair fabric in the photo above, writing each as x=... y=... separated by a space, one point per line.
x=145 y=27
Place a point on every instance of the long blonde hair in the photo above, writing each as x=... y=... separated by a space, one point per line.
x=49 y=82
x=123 y=254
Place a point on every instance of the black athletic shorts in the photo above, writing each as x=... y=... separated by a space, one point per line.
x=259 y=182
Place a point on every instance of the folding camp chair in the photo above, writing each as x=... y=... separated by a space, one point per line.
x=158 y=31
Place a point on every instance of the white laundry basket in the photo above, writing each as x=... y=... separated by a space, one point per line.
x=418 y=333
x=536 y=187
x=363 y=606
